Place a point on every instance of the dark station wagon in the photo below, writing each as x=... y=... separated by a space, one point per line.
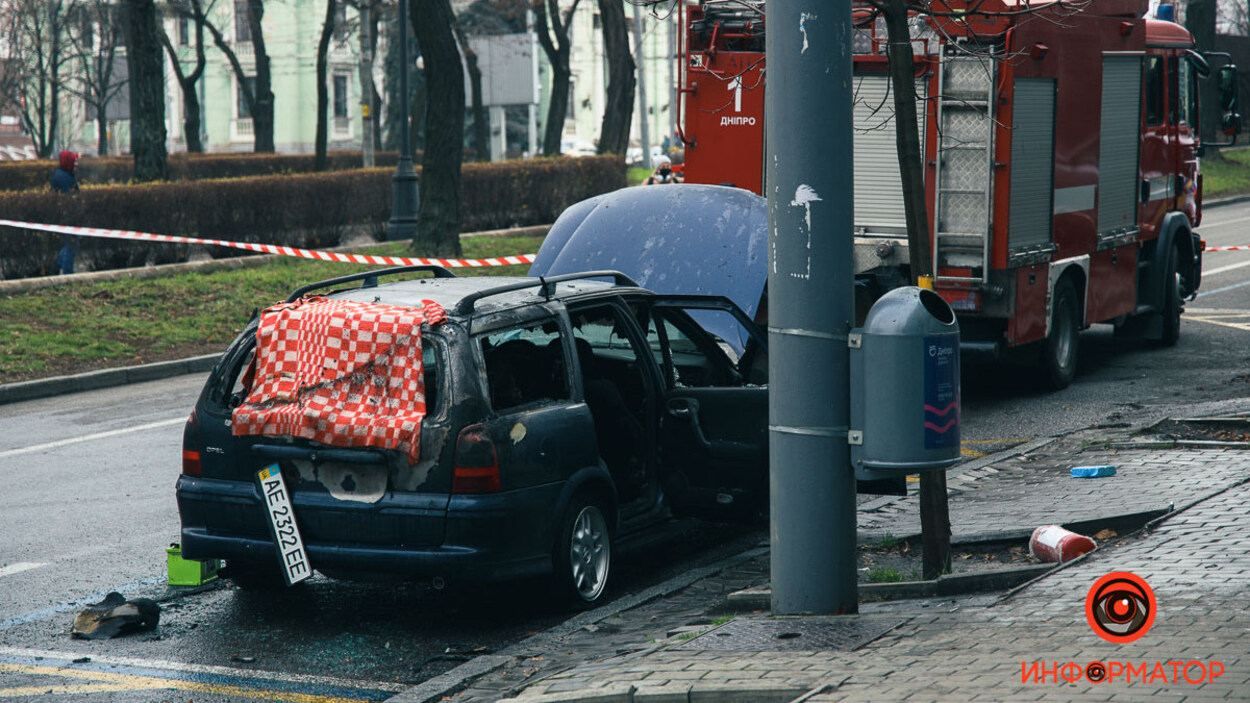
x=563 y=412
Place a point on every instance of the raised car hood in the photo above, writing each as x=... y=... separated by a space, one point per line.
x=672 y=239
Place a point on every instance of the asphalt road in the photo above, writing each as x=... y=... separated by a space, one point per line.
x=86 y=506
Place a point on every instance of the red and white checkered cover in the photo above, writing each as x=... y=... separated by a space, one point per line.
x=339 y=372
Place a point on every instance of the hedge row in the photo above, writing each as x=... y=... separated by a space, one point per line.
x=306 y=210
x=32 y=175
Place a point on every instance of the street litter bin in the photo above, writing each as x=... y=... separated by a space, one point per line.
x=905 y=386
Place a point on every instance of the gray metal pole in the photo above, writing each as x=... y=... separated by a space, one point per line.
x=640 y=57
x=403 y=224
x=810 y=305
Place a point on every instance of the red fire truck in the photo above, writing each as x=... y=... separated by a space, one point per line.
x=1060 y=150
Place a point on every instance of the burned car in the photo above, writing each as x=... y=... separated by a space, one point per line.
x=557 y=414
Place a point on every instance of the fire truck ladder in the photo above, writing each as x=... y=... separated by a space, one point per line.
x=965 y=152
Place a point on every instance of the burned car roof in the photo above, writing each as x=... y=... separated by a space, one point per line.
x=449 y=292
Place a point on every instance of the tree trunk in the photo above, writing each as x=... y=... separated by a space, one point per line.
x=438 y=229
x=481 y=123
x=935 y=527
x=101 y=130
x=619 y=111
x=367 y=114
x=907 y=137
x=262 y=110
x=147 y=90
x=191 y=119
x=376 y=100
x=557 y=108
x=323 y=93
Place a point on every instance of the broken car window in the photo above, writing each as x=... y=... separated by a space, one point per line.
x=525 y=365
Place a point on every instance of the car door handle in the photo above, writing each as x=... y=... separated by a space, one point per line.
x=683 y=408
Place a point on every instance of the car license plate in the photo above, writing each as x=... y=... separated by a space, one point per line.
x=291 y=552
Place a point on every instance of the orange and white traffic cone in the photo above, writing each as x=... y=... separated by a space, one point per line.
x=1053 y=543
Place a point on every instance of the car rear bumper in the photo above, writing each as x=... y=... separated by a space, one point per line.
x=482 y=538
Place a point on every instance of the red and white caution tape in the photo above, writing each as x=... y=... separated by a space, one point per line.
x=1236 y=248
x=275 y=249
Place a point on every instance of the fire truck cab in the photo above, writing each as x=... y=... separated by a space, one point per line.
x=1060 y=153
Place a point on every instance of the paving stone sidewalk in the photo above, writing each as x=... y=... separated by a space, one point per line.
x=1198 y=562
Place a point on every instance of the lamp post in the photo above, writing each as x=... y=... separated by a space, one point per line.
x=404 y=204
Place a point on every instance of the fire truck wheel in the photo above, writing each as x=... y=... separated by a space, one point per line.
x=1059 y=351
x=1172 y=303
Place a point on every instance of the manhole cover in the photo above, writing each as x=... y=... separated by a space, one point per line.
x=785 y=634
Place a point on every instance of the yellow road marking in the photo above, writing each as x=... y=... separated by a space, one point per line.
x=971 y=453
x=131 y=682
x=1224 y=320
x=1001 y=440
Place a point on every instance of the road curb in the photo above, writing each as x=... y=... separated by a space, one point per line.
x=1230 y=200
x=946 y=585
x=104 y=378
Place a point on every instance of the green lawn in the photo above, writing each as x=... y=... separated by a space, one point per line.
x=1227 y=176
x=79 y=327
x=636 y=175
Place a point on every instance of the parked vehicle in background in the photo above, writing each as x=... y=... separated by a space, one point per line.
x=562 y=413
x=1061 y=155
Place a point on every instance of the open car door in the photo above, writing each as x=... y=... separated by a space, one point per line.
x=713 y=438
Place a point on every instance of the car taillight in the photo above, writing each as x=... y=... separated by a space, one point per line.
x=477 y=463
x=190 y=447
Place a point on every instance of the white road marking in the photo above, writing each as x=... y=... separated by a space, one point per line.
x=1225 y=223
x=1222 y=269
x=1208 y=293
x=207 y=669
x=19 y=567
x=91 y=437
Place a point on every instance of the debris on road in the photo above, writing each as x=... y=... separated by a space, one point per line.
x=1052 y=543
x=115 y=616
x=1102 y=471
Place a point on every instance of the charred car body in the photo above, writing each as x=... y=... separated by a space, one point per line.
x=562 y=412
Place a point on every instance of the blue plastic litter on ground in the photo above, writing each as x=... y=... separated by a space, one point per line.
x=1093 y=471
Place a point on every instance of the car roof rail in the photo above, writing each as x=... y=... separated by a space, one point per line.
x=545 y=284
x=370 y=278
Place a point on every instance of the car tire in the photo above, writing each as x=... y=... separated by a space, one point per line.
x=1172 y=303
x=583 y=551
x=1060 y=350
x=254 y=576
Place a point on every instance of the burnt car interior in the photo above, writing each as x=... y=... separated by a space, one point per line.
x=616 y=393
x=525 y=365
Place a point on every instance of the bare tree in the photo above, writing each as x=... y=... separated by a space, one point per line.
x=35 y=35
x=193 y=12
x=256 y=91
x=323 y=93
x=553 y=27
x=146 y=60
x=438 y=229
x=95 y=34
x=481 y=125
x=619 y=112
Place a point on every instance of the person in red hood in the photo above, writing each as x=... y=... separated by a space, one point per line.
x=64 y=181
x=63 y=178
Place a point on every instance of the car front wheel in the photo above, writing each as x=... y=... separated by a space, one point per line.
x=583 y=554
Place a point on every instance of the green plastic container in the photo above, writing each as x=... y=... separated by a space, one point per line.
x=188 y=572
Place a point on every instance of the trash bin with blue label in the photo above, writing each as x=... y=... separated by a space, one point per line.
x=905 y=386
